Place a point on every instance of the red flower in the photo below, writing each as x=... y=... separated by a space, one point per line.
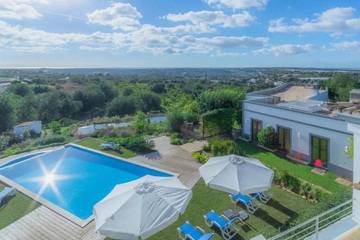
x=318 y=163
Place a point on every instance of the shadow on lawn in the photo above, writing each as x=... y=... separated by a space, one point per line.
x=218 y=232
x=277 y=205
x=264 y=216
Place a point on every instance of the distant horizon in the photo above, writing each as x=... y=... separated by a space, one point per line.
x=159 y=68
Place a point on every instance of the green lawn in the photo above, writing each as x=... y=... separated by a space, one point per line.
x=95 y=143
x=301 y=171
x=15 y=208
x=284 y=207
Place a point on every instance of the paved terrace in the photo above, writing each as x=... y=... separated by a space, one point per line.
x=176 y=159
x=296 y=93
x=45 y=224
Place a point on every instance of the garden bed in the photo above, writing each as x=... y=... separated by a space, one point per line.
x=267 y=148
x=95 y=143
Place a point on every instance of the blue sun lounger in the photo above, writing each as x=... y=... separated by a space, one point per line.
x=264 y=197
x=246 y=201
x=189 y=232
x=226 y=226
x=6 y=193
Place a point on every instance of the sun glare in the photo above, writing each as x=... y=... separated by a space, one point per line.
x=49 y=178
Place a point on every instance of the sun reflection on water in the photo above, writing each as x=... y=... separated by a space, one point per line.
x=49 y=178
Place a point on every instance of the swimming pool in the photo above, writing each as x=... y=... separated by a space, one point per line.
x=73 y=178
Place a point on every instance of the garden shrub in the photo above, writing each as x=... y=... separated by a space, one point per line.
x=207 y=147
x=291 y=182
x=158 y=128
x=308 y=191
x=4 y=142
x=135 y=143
x=267 y=137
x=222 y=147
x=200 y=157
x=175 y=139
x=177 y=119
x=141 y=123
x=50 y=140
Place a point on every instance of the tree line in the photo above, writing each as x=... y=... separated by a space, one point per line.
x=26 y=102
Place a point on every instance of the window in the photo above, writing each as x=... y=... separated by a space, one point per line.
x=284 y=139
x=256 y=126
x=319 y=151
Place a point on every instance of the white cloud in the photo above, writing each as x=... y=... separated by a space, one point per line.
x=238 y=4
x=287 y=49
x=226 y=42
x=213 y=18
x=347 y=45
x=20 y=9
x=94 y=49
x=119 y=15
x=18 y=38
x=335 y=21
x=181 y=39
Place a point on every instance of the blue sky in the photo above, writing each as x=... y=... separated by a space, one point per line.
x=180 y=33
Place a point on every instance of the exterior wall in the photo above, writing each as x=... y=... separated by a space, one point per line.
x=355 y=128
x=321 y=95
x=35 y=126
x=302 y=126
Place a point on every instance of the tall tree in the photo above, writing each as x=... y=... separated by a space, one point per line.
x=6 y=114
x=27 y=109
x=121 y=106
x=221 y=98
x=141 y=123
x=340 y=85
x=149 y=102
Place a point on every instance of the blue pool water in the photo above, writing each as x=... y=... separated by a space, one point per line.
x=73 y=178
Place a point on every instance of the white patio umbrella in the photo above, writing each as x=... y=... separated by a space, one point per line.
x=140 y=208
x=235 y=174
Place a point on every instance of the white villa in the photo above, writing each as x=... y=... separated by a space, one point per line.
x=309 y=128
x=34 y=126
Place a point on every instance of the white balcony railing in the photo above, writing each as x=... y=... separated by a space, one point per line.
x=316 y=224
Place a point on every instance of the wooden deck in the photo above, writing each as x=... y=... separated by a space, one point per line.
x=352 y=235
x=45 y=224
